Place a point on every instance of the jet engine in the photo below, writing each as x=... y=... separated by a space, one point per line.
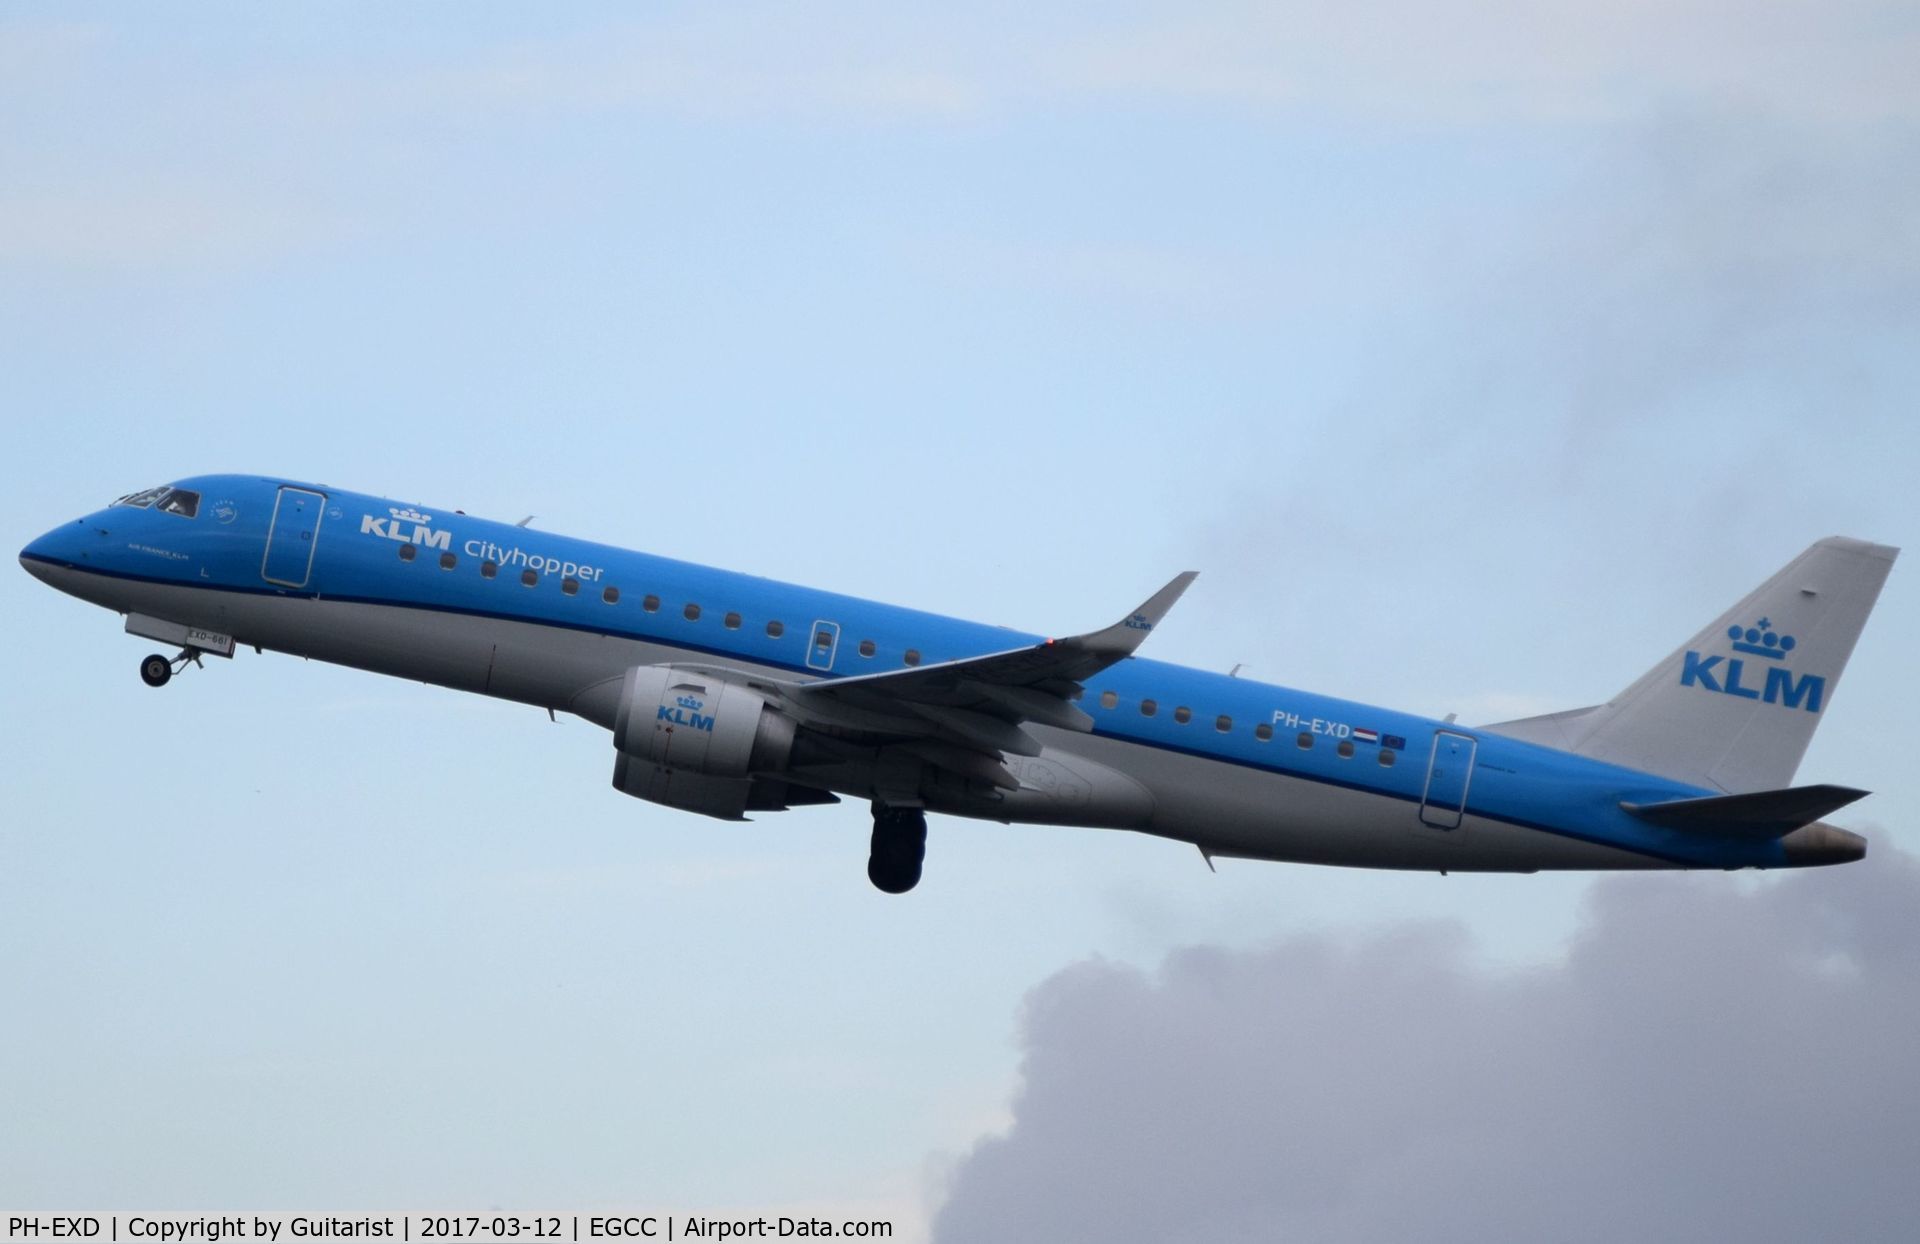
x=697 y=740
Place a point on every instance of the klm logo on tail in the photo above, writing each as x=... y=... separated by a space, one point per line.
x=1780 y=685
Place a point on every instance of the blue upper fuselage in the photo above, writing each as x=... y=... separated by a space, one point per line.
x=236 y=533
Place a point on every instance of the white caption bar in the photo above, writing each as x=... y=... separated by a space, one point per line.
x=487 y=1228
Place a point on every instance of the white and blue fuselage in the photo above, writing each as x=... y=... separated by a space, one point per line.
x=1238 y=767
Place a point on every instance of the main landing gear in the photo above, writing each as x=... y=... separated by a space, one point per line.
x=157 y=671
x=899 y=848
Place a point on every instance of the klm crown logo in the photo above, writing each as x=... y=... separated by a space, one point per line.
x=1729 y=675
x=692 y=703
x=409 y=516
x=1760 y=640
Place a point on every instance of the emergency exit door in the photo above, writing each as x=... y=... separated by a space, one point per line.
x=820 y=649
x=1449 y=775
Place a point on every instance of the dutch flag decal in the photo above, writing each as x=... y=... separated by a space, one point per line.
x=1366 y=736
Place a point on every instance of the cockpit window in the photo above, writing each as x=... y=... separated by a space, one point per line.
x=145 y=497
x=181 y=501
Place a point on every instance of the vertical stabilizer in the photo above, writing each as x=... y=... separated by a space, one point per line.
x=1735 y=707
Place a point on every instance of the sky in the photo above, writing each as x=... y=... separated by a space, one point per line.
x=1476 y=355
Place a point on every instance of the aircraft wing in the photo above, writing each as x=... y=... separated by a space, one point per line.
x=965 y=715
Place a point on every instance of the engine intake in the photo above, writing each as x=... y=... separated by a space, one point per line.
x=695 y=740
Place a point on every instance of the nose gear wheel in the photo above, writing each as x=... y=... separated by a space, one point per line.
x=157 y=671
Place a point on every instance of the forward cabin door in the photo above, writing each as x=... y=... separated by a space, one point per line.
x=291 y=537
x=1449 y=774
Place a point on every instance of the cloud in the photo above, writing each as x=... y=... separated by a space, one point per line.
x=1402 y=60
x=157 y=221
x=1711 y=1061
x=34 y=52
x=194 y=153
x=1563 y=60
x=1708 y=239
x=726 y=65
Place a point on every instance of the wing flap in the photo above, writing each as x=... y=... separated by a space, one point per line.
x=1032 y=704
x=964 y=762
x=989 y=734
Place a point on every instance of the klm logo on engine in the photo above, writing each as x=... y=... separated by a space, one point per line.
x=407 y=527
x=685 y=712
x=1733 y=676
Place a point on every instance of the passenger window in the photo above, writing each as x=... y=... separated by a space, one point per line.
x=1109 y=698
x=489 y=569
x=692 y=612
x=611 y=595
x=866 y=647
x=912 y=657
x=651 y=604
x=1306 y=740
x=530 y=576
x=570 y=586
x=1263 y=732
x=1386 y=756
x=1183 y=714
x=1345 y=748
x=731 y=621
x=776 y=628
x=448 y=561
x=1223 y=723
x=408 y=552
x=1149 y=707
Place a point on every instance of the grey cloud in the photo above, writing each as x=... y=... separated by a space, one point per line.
x=1711 y=1061
x=1698 y=287
x=1563 y=60
x=1706 y=244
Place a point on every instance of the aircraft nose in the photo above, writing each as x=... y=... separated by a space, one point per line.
x=65 y=545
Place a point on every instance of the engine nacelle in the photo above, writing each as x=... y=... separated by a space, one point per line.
x=695 y=740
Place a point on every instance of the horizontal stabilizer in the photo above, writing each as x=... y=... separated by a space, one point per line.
x=1761 y=814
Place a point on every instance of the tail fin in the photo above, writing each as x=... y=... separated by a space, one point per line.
x=1735 y=707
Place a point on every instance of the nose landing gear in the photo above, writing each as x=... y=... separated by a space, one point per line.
x=157 y=670
x=899 y=848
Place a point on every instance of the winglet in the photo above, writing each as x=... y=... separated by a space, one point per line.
x=1130 y=632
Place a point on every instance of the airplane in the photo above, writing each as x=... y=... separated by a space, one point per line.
x=728 y=694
